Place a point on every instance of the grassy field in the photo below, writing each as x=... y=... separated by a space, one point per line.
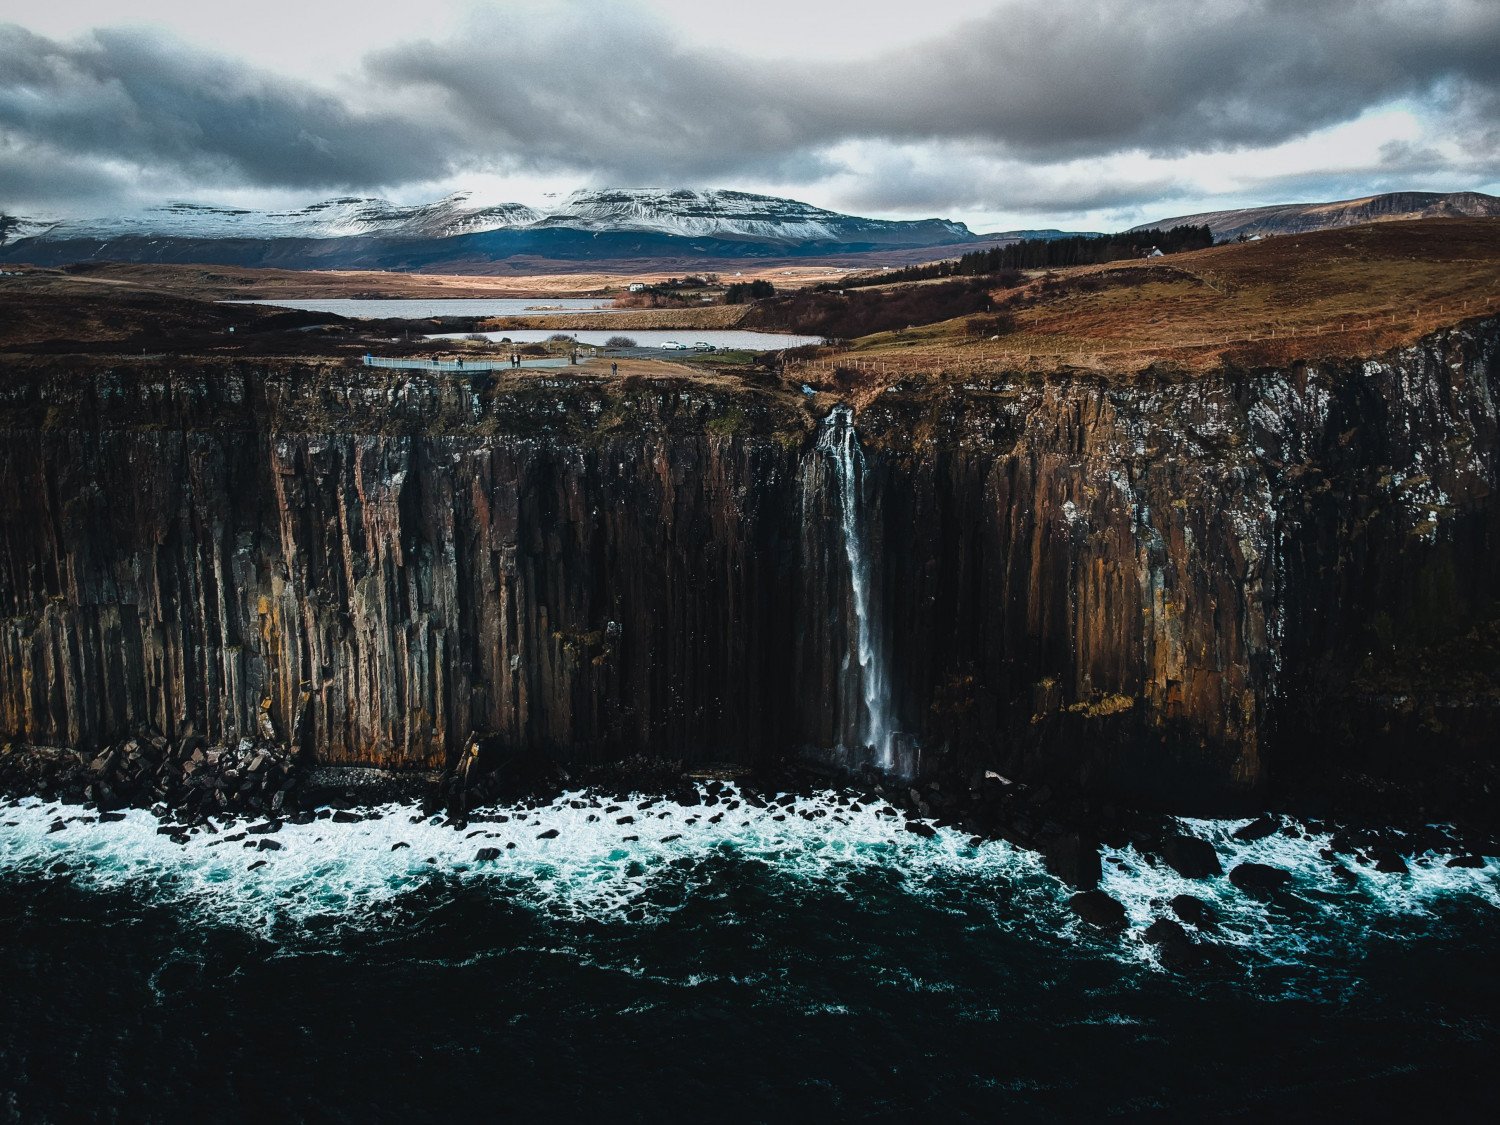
x=219 y=283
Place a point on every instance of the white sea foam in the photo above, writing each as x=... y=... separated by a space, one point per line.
x=339 y=875
x=1322 y=915
x=591 y=868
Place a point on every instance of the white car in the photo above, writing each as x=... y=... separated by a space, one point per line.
x=674 y=346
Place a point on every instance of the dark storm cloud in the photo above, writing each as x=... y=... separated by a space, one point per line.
x=607 y=93
x=147 y=101
x=1169 y=76
x=1041 y=81
x=602 y=89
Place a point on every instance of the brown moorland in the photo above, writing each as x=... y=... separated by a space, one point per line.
x=221 y=283
x=1337 y=293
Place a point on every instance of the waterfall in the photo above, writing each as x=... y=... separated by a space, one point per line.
x=874 y=728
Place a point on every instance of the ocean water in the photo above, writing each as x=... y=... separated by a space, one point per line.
x=729 y=962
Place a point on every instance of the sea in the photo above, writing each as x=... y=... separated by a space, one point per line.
x=600 y=958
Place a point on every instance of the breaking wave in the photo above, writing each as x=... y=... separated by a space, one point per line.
x=637 y=861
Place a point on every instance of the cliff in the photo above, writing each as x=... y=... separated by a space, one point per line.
x=1167 y=589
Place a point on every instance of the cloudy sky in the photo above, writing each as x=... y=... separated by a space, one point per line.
x=1083 y=114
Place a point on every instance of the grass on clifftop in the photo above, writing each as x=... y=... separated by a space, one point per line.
x=1337 y=293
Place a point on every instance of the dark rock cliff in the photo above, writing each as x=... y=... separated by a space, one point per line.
x=1169 y=589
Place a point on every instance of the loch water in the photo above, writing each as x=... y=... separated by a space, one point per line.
x=615 y=959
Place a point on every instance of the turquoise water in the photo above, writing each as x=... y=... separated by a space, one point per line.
x=730 y=961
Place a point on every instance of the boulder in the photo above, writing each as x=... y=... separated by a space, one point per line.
x=1098 y=910
x=1195 y=912
x=1456 y=861
x=1175 y=951
x=486 y=855
x=1073 y=858
x=1178 y=953
x=917 y=828
x=1191 y=857
x=1257 y=829
x=1164 y=930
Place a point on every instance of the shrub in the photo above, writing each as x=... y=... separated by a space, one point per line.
x=619 y=342
x=744 y=291
x=1001 y=324
x=650 y=299
x=860 y=312
x=559 y=338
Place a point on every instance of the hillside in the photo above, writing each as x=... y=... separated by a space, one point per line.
x=1302 y=218
x=1352 y=292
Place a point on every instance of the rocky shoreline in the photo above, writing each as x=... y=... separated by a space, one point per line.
x=247 y=792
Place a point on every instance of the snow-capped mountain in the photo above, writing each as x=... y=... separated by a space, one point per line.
x=724 y=214
x=333 y=218
x=590 y=224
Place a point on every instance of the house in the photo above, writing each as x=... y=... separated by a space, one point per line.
x=636 y=287
x=1155 y=253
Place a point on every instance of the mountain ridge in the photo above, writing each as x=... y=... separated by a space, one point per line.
x=362 y=231
x=1301 y=218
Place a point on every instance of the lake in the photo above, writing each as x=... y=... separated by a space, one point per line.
x=413 y=308
x=654 y=338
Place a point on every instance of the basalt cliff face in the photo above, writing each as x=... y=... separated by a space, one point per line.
x=1173 y=590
